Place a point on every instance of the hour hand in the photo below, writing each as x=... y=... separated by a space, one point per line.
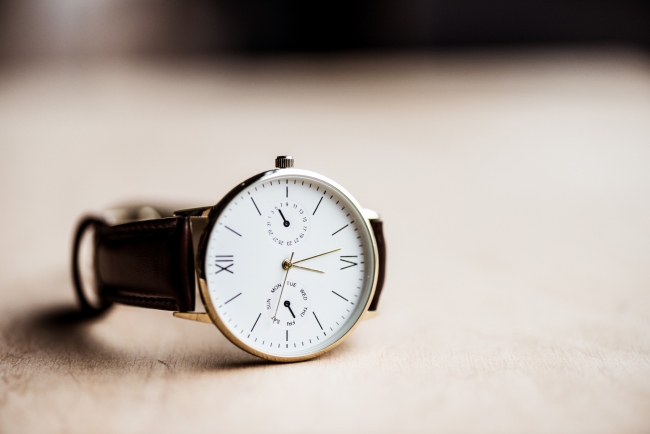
x=307 y=268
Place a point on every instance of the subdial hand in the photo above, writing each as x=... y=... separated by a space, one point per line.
x=286 y=222
x=282 y=290
x=287 y=304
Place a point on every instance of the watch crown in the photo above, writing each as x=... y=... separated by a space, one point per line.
x=284 y=161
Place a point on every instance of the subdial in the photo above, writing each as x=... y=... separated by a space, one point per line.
x=291 y=309
x=286 y=224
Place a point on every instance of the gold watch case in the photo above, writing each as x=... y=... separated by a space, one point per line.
x=212 y=214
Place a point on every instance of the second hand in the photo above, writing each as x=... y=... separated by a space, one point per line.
x=282 y=290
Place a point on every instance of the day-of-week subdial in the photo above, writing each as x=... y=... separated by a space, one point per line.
x=286 y=224
x=291 y=309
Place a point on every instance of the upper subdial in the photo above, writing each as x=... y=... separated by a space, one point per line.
x=286 y=224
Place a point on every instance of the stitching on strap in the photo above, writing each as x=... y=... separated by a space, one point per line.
x=138 y=299
x=143 y=229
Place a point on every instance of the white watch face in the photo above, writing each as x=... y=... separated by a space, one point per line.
x=289 y=264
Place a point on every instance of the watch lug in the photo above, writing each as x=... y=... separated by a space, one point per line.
x=202 y=211
x=369 y=314
x=194 y=316
x=370 y=214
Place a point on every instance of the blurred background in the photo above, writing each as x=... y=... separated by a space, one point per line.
x=506 y=145
x=72 y=28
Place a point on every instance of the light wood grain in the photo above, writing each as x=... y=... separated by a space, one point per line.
x=515 y=189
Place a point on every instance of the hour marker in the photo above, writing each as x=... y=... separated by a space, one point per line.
x=258 y=210
x=287 y=191
x=287 y=335
x=224 y=259
x=321 y=327
x=336 y=294
x=321 y=199
x=258 y=318
x=235 y=232
x=233 y=298
x=332 y=234
x=349 y=261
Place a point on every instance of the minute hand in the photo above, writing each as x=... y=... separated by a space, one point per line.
x=316 y=256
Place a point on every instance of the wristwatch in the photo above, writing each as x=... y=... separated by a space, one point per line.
x=287 y=263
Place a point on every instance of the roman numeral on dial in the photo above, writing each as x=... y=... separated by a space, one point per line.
x=225 y=262
x=348 y=260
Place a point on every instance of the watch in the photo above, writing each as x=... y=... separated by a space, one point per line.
x=287 y=264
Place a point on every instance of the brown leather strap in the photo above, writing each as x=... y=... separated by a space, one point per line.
x=378 y=229
x=148 y=263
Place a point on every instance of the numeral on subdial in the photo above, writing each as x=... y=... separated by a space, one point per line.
x=348 y=260
x=224 y=262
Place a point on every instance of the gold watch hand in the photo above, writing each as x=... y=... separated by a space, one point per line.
x=282 y=290
x=308 y=269
x=316 y=256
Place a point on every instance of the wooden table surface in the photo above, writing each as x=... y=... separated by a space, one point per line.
x=515 y=189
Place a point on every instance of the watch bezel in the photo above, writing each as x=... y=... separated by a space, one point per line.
x=214 y=214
